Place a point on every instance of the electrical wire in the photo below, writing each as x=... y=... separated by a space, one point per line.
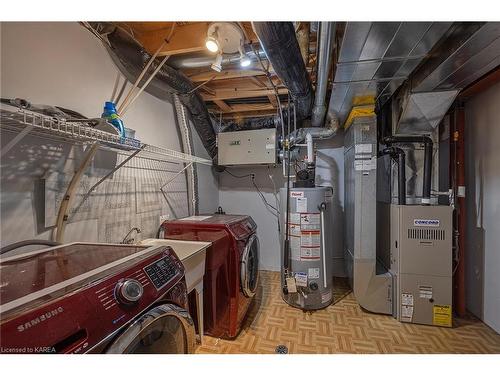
x=252 y=177
x=262 y=196
x=236 y=176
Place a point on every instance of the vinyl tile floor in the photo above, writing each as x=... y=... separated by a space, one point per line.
x=343 y=327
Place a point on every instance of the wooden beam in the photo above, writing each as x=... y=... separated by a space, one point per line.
x=271 y=97
x=243 y=83
x=239 y=94
x=245 y=107
x=223 y=105
x=185 y=38
x=225 y=74
x=238 y=115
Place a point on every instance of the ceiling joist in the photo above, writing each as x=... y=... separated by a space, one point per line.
x=239 y=94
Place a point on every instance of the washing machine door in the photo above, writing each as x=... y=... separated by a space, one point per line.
x=165 y=329
x=249 y=270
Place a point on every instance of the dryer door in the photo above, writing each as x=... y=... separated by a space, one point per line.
x=249 y=270
x=165 y=329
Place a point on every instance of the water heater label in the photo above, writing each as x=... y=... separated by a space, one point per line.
x=313 y=273
x=363 y=148
x=309 y=253
x=301 y=279
x=426 y=222
x=296 y=194
x=301 y=205
x=310 y=239
x=295 y=248
x=310 y=222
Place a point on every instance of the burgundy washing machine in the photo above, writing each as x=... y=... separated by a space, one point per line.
x=95 y=298
x=231 y=267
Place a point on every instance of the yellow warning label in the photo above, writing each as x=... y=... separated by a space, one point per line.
x=441 y=315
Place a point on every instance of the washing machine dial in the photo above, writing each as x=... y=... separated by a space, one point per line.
x=128 y=291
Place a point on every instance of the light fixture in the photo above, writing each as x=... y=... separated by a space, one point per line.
x=244 y=60
x=217 y=64
x=212 y=44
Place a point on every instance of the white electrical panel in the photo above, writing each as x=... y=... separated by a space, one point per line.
x=247 y=147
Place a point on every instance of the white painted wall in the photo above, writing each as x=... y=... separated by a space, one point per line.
x=238 y=196
x=483 y=206
x=63 y=64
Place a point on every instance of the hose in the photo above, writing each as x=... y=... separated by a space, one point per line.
x=17 y=245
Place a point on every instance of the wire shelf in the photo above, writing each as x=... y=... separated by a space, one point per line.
x=20 y=120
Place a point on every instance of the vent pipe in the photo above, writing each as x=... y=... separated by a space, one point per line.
x=324 y=61
x=400 y=154
x=427 y=141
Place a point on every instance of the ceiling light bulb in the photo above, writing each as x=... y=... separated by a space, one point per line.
x=211 y=44
x=245 y=61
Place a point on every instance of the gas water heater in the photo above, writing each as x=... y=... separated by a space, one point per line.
x=306 y=265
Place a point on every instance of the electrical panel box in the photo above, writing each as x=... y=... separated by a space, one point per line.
x=421 y=262
x=247 y=147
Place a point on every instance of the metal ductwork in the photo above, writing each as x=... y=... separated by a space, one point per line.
x=131 y=59
x=375 y=58
x=282 y=49
x=469 y=51
x=324 y=60
x=201 y=60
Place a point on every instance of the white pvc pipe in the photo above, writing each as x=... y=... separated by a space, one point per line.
x=310 y=148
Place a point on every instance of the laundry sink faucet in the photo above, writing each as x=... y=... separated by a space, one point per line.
x=127 y=240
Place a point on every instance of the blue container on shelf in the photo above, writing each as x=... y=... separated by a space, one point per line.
x=112 y=117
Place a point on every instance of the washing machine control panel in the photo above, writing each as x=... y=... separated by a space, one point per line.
x=161 y=272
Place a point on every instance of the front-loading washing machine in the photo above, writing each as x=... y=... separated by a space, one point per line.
x=231 y=267
x=97 y=298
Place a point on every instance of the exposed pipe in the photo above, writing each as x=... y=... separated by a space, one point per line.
x=204 y=60
x=400 y=154
x=324 y=60
x=310 y=149
x=427 y=141
x=282 y=49
x=299 y=135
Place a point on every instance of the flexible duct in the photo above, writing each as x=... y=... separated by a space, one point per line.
x=324 y=60
x=282 y=49
x=187 y=147
x=427 y=141
x=131 y=59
